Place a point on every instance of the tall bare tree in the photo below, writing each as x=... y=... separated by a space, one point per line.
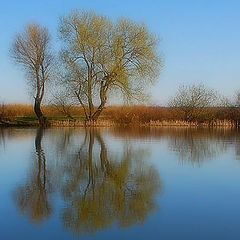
x=31 y=49
x=101 y=57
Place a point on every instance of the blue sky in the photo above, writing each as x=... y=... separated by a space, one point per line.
x=200 y=40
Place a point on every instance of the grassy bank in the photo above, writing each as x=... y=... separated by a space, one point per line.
x=23 y=115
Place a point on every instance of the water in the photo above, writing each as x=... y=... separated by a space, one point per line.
x=119 y=184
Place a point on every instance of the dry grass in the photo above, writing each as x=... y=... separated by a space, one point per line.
x=139 y=114
x=142 y=115
x=77 y=123
x=19 y=110
x=123 y=114
x=24 y=110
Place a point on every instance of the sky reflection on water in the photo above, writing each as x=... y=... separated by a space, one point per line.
x=119 y=183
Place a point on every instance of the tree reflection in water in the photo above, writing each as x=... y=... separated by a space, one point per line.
x=2 y=137
x=103 y=188
x=98 y=184
x=33 y=197
x=192 y=145
x=196 y=146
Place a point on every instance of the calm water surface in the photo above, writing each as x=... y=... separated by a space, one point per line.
x=119 y=184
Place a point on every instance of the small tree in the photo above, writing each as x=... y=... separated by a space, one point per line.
x=102 y=57
x=193 y=100
x=2 y=112
x=232 y=108
x=31 y=49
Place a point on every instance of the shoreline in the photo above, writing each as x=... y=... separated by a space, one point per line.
x=109 y=123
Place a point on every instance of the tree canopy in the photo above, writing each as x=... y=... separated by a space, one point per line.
x=31 y=49
x=193 y=100
x=101 y=57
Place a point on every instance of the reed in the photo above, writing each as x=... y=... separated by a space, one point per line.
x=124 y=115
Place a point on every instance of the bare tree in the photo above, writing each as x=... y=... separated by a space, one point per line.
x=2 y=112
x=193 y=100
x=31 y=49
x=232 y=108
x=101 y=57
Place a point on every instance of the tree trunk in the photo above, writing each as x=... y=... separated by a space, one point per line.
x=97 y=114
x=103 y=97
x=37 y=109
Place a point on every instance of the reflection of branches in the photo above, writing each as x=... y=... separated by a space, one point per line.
x=195 y=147
x=99 y=189
x=64 y=139
x=191 y=144
x=32 y=198
x=2 y=137
x=101 y=185
x=235 y=141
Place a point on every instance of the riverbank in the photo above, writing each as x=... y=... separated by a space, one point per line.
x=153 y=116
x=110 y=123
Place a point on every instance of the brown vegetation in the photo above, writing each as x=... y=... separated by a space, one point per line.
x=126 y=115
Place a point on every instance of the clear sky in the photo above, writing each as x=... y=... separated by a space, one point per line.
x=200 y=40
